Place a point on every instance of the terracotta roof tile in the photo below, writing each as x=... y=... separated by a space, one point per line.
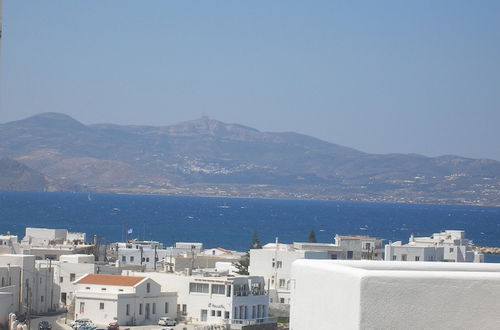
x=106 y=279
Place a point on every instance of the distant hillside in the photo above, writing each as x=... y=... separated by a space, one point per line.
x=17 y=176
x=208 y=157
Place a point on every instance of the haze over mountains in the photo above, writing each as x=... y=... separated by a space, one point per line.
x=211 y=158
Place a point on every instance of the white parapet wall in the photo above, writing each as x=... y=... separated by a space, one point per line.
x=341 y=294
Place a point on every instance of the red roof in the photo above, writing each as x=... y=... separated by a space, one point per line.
x=106 y=279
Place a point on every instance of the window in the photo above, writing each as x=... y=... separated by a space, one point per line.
x=394 y=257
x=213 y=312
x=154 y=308
x=87 y=288
x=71 y=277
x=241 y=290
x=417 y=258
x=218 y=289
x=367 y=246
x=257 y=288
x=404 y=257
x=121 y=290
x=226 y=315
x=101 y=305
x=228 y=294
x=41 y=298
x=282 y=300
x=184 y=309
x=140 y=309
x=333 y=256
x=40 y=280
x=103 y=289
x=166 y=307
x=451 y=249
x=198 y=287
x=82 y=307
x=147 y=259
x=61 y=279
x=143 y=259
x=350 y=254
x=124 y=259
x=131 y=258
x=282 y=283
x=127 y=309
x=3 y=281
x=148 y=287
x=279 y=264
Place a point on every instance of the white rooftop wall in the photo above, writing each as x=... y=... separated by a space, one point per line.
x=337 y=294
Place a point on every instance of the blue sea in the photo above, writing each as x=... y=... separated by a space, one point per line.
x=230 y=222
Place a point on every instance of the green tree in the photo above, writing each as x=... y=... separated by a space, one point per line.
x=255 y=241
x=312 y=237
x=244 y=262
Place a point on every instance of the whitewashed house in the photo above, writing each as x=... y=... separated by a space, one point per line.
x=128 y=300
x=9 y=244
x=274 y=260
x=73 y=266
x=209 y=298
x=45 y=243
x=32 y=285
x=449 y=246
x=342 y=294
x=152 y=255
x=10 y=277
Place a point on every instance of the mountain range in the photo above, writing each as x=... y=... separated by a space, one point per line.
x=210 y=158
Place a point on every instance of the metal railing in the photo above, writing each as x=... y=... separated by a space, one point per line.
x=260 y=320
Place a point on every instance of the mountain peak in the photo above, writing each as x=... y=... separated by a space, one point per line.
x=50 y=119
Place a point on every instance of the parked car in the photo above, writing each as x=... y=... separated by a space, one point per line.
x=113 y=326
x=165 y=320
x=83 y=324
x=44 y=325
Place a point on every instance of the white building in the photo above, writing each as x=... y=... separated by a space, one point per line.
x=450 y=246
x=274 y=260
x=208 y=298
x=338 y=294
x=9 y=291
x=34 y=285
x=46 y=243
x=9 y=244
x=73 y=266
x=153 y=255
x=128 y=300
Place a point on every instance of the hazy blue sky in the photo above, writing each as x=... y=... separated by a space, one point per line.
x=380 y=76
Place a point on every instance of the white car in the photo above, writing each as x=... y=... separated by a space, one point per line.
x=165 y=320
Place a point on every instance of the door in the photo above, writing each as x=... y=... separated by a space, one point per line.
x=204 y=314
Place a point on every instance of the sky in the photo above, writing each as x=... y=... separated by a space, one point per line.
x=379 y=76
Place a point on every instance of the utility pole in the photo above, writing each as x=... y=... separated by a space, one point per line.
x=156 y=256
x=51 y=281
x=28 y=303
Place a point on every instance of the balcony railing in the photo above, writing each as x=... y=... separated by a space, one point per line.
x=260 y=320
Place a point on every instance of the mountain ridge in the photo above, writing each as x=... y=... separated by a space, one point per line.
x=208 y=157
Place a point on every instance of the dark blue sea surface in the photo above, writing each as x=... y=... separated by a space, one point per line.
x=229 y=223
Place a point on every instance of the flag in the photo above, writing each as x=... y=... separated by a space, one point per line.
x=130 y=231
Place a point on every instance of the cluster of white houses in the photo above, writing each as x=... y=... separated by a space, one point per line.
x=51 y=269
